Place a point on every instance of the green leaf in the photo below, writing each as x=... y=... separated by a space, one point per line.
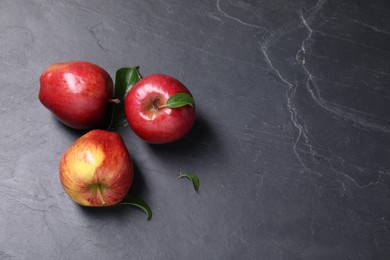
x=139 y=203
x=125 y=79
x=193 y=178
x=180 y=100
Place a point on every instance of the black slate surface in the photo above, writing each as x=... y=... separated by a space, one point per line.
x=291 y=143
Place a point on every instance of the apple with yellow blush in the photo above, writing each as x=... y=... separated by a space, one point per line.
x=97 y=169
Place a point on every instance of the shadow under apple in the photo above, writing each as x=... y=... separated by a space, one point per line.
x=74 y=133
x=198 y=141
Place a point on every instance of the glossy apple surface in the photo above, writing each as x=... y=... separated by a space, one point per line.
x=96 y=170
x=76 y=92
x=147 y=114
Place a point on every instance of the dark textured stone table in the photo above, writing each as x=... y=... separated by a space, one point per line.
x=291 y=143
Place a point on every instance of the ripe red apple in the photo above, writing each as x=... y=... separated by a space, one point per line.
x=97 y=169
x=153 y=116
x=77 y=92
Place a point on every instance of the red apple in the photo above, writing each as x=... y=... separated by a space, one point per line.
x=97 y=170
x=77 y=92
x=150 y=114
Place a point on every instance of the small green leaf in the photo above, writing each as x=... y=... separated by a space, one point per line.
x=180 y=100
x=125 y=79
x=137 y=202
x=193 y=178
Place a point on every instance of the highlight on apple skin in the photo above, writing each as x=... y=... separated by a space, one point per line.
x=77 y=93
x=148 y=115
x=97 y=170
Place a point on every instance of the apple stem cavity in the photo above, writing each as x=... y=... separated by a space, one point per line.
x=114 y=100
x=100 y=194
x=155 y=106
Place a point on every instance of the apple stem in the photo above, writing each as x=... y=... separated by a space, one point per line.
x=114 y=100
x=100 y=195
x=155 y=104
x=155 y=101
